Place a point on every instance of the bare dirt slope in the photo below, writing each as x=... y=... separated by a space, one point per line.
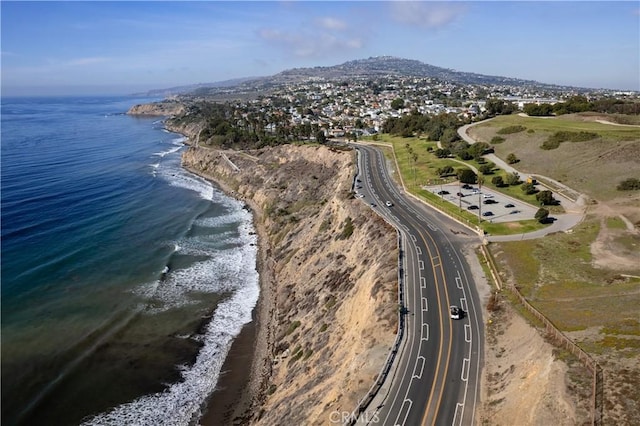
x=331 y=268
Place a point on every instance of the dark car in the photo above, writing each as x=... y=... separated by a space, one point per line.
x=489 y=202
x=467 y=186
x=459 y=194
x=509 y=206
x=443 y=192
x=487 y=214
x=472 y=208
x=456 y=312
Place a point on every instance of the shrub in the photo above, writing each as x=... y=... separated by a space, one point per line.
x=347 y=229
x=486 y=169
x=545 y=197
x=497 y=181
x=497 y=139
x=542 y=215
x=513 y=179
x=466 y=176
x=512 y=159
x=557 y=138
x=629 y=184
x=528 y=188
x=511 y=129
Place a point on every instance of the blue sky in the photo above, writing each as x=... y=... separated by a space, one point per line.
x=122 y=47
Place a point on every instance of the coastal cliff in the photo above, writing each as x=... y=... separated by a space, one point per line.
x=328 y=310
x=157 y=109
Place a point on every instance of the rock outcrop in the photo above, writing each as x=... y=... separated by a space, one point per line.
x=165 y=108
x=328 y=313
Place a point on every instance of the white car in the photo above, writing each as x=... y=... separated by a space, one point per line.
x=456 y=312
x=388 y=204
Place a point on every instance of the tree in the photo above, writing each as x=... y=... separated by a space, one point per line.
x=466 y=176
x=512 y=159
x=321 y=137
x=545 y=198
x=486 y=169
x=528 y=188
x=442 y=153
x=628 y=184
x=397 y=103
x=497 y=181
x=444 y=171
x=513 y=178
x=542 y=215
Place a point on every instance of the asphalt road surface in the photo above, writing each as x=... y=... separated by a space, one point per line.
x=435 y=379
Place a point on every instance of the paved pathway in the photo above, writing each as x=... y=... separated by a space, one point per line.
x=571 y=200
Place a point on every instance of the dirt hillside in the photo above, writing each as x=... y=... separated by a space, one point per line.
x=329 y=303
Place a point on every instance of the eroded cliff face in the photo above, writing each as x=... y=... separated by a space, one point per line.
x=163 y=108
x=329 y=279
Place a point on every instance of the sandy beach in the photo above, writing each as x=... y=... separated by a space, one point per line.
x=247 y=365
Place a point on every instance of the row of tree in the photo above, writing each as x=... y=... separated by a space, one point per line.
x=582 y=104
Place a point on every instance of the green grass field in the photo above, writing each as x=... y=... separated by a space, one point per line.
x=416 y=174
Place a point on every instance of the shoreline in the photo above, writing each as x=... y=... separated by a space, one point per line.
x=240 y=388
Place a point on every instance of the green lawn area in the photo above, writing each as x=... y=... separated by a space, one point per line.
x=422 y=171
x=565 y=123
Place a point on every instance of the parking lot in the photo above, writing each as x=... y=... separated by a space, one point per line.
x=491 y=205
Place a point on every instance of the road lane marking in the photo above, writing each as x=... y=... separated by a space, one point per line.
x=459 y=282
x=459 y=408
x=425 y=331
x=423 y=282
x=418 y=250
x=425 y=306
x=419 y=362
x=463 y=304
x=421 y=265
x=413 y=237
x=401 y=423
x=465 y=369
x=467 y=333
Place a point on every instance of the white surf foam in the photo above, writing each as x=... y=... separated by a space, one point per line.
x=181 y=403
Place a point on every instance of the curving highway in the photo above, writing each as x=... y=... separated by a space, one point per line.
x=435 y=377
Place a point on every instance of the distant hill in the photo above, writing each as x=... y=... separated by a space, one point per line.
x=374 y=67
x=194 y=87
x=391 y=66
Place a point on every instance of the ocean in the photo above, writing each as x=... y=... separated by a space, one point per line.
x=124 y=277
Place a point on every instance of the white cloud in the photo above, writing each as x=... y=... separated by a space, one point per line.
x=86 y=61
x=430 y=15
x=330 y=23
x=324 y=37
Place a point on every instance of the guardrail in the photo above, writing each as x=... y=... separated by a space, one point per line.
x=597 y=387
x=363 y=404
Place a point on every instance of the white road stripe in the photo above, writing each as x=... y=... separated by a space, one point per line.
x=419 y=363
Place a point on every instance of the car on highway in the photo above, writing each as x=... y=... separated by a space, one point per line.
x=459 y=194
x=472 y=207
x=443 y=192
x=509 y=205
x=487 y=195
x=388 y=203
x=373 y=204
x=487 y=214
x=455 y=312
x=489 y=201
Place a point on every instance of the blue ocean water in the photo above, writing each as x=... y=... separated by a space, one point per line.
x=124 y=277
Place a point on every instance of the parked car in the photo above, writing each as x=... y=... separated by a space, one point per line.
x=467 y=186
x=459 y=194
x=509 y=205
x=388 y=203
x=487 y=214
x=472 y=207
x=443 y=192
